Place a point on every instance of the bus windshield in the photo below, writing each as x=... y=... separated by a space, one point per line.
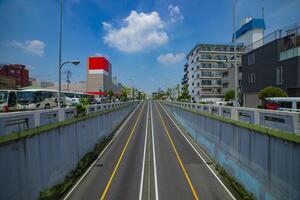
x=26 y=97
x=3 y=96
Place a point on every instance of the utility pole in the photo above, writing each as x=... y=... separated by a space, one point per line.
x=235 y=58
x=59 y=56
x=69 y=73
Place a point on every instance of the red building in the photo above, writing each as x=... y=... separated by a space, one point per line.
x=99 y=77
x=16 y=71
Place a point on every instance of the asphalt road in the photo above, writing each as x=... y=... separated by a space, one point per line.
x=150 y=157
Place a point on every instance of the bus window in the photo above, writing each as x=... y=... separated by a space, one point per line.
x=3 y=96
x=285 y=104
x=12 y=99
x=298 y=105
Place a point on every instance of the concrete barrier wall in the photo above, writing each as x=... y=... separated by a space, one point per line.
x=35 y=163
x=267 y=166
x=280 y=120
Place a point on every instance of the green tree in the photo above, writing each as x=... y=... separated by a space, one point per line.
x=185 y=96
x=177 y=88
x=271 y=92
x=125 y=91
x=229 y=95
x=110 y=94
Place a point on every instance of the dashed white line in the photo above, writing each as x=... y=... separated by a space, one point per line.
x=226 y=189
x=144 y=156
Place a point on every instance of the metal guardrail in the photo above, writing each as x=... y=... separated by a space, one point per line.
x=20 y=121
x=280 y=120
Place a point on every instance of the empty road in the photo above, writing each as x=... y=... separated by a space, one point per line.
x=150 y=158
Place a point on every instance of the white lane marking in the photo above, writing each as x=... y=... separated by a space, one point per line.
x=92 y=165
x=226 y=189
x=144 y=156
x=154 y=157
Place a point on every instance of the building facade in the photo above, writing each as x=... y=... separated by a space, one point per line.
x=99 y=77
x=205 y=68
x=249 y=34
x=16 y=71
x=276 y=63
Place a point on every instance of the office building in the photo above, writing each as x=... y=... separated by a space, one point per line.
x=275 y=63
x=205 y=67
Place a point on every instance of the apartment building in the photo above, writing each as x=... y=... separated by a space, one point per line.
x=205 y=68
x=275 y=63
x=17 y=72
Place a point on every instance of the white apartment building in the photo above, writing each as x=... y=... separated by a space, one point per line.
x=206 y=64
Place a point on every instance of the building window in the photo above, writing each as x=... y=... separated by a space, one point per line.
x=192 y=83
x=192 y=91
x=198 y=84
x=192 y=76
x=279 y=75
x=192 y=68
x=251 y=59
x=251 y=78
x=198 y=93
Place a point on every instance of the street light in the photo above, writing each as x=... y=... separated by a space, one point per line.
x=74 y=62
x=235 y=58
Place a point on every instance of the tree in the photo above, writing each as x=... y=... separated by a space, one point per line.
x=271 y=92
x=185 y=94
x=229 y=95
x=110 y=94
x=125 y=91
x=177 y=88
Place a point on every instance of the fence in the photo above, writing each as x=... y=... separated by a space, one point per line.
x=278 y=120
x=20 y=121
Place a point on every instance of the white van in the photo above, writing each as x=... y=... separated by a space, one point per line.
x=8 y=100
x=31 y=99
x=283 y=103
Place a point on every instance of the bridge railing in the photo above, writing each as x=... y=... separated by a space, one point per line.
x=280 y=120
x=20 y=121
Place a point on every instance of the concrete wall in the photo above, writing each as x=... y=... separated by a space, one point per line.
x=32 y=164
x=266 y=166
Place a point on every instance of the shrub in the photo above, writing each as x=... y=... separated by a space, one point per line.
x=229 y=95
x=271 y=92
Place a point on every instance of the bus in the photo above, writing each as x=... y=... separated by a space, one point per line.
x=283 y=103
x=8 y=100
x=31 y=99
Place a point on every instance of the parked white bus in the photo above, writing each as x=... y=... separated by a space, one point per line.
x=36 y=99
x=8 y=100
x=283 y=103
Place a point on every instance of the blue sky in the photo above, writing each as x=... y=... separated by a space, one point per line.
x=146 y=41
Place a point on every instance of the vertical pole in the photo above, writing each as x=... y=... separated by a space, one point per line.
x=235 y=58
x=59 y=56
x=68 y=80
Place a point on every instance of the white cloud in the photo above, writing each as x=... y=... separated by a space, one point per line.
x=34 y=46
x=141 y=31
x=175 y=13
x=170 y=58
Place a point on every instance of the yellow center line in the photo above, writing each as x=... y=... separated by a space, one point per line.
x=120 y=158
x=178 y=158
